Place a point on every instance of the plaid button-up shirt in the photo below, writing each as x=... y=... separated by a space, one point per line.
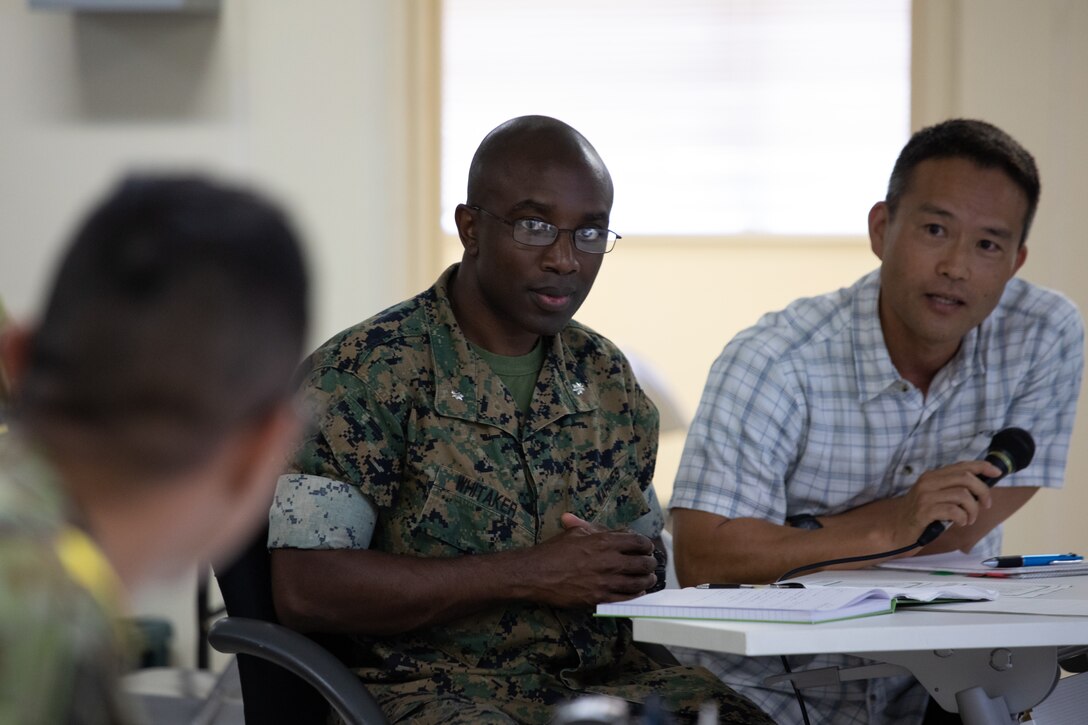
x=805 y=413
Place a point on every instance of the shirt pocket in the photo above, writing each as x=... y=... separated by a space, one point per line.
x=466 y=515
x=615 y=500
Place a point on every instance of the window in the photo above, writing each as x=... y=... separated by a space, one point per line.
x=715 y=117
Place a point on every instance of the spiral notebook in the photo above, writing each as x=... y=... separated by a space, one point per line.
x=767 y=604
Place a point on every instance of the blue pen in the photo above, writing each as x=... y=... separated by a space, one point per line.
x=1007 y=562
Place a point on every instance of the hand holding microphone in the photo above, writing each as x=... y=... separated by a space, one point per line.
x=1010 y=450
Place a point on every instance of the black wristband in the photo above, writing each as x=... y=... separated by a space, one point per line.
x=804 y=521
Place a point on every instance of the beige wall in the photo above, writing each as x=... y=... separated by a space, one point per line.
x=675 y=305
x=307 y=100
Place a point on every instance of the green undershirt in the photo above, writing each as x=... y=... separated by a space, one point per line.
x=518 y=373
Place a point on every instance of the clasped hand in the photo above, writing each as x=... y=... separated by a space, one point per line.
x=588 y=564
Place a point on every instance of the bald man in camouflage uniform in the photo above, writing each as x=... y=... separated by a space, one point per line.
x=480 y=474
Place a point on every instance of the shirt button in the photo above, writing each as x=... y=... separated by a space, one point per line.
x=903 y=387
x=908 y=469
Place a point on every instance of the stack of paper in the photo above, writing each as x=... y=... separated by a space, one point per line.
x=768 y=604
x=956 y=562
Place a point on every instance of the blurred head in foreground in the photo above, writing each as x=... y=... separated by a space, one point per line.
x=158 y=379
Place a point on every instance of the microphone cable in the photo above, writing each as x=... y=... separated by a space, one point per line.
x=849 y=560
x=1010 y=450
x=796 y=691
x=831 y=562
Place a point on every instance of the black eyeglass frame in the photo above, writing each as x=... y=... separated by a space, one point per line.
x=610 y=236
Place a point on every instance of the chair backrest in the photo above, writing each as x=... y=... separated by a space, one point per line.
x=271 y=695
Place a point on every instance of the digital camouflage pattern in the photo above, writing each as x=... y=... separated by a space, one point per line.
x=415 y=421
x=5 y=388
x=59 y=653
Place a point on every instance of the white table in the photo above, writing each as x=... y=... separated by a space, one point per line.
x=985 y=666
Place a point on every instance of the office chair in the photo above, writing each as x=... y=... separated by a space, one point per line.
x=286 y=677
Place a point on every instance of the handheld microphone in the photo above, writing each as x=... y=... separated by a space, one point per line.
x=1011 y=450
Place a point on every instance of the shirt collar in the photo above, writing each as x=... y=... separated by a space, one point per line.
x=467 y=388
x=872 y=363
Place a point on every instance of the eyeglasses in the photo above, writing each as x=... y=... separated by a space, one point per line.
x=537 y=233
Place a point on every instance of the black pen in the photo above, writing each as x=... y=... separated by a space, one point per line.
x=783 y=585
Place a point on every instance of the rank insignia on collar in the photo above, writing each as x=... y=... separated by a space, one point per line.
x=457 y=394
x=578 y=388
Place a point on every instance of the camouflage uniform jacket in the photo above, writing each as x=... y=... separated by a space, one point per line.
x=411 y=418
x=59 y=653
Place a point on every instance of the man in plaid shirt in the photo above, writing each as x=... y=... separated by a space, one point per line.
x=845 y=424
